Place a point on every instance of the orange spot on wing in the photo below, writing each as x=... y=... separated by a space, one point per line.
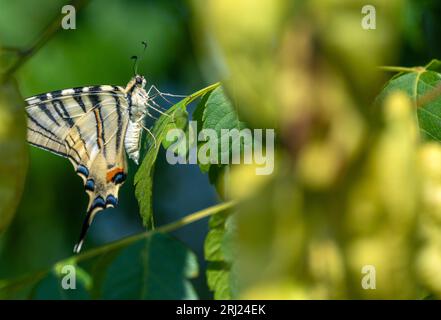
x=110 y=174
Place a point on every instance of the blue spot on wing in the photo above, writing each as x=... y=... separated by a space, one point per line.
x=111 y=200
x=119 y=178
x=90 y=185
x=98 y=203
x=83 y=170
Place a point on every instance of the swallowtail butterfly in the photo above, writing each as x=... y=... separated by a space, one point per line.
x=93 y=127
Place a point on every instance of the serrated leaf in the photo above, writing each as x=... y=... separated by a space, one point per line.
x=217 y=112
x=158 y=267
x=218 y=280
x=422 y=85
x=13 y=151
x=213 y=245
x=217 y=250
x=198 y=113
x=164 y=264
x=173 y=118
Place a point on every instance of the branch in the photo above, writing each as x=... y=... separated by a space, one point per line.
x=33 y=278
x=48 y=33
x=401 y=69
x=165 y=228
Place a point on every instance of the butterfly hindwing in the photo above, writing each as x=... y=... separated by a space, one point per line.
x=102 y=179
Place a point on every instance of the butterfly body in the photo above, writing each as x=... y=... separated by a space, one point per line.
x=137 y=113
x=132 y=140
x=93 y=127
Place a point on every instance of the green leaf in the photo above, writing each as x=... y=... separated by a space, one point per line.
x=155 y=268
x=422 y=85
x=218 y=252
x=13 y=151
x=434 y=65
x=97 y=271
x=175 y=117
x=217 y=112
x=218 y=279
x=21 y=287
x=150 y=255
x=213 y=245
x=50 y=288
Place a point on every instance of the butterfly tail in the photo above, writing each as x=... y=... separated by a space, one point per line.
x=85 y=227
x=97 y=205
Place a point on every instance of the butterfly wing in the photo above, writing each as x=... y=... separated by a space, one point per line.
x=86 y=125
x=51 y=115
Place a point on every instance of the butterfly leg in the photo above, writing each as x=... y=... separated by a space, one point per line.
x=156 y=107
x=146 y=129
x=151 y=115
x=163 y=95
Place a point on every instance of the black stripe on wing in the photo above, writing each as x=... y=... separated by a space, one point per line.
x=80 y=135
x=120 y=124
x=59 y=105
x=71 y=145
x=44 y=107
x=100 y=138
x=76 y=92
x=41 y=126
x=77 y=97
x=50 y=150
x=44 y=135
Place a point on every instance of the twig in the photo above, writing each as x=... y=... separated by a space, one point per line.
x=401 y=69
x=48 y=33
x=428 y=96
x=166 y=228
x=34 y=277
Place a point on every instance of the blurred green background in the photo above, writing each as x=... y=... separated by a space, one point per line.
x=289 y=65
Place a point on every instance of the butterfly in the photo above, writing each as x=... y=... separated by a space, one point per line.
x=94 y=127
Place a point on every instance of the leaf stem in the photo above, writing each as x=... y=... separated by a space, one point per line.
x=203 y=91
x=34 y=277
x=401 y=69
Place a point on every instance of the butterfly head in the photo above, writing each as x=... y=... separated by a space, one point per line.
x=136 y=85
x=138 y=97
x=139 y=81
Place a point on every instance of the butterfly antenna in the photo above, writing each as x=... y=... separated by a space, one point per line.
x=163 y=95
x=144 y=43
x=136 y=59
x=135 y=64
